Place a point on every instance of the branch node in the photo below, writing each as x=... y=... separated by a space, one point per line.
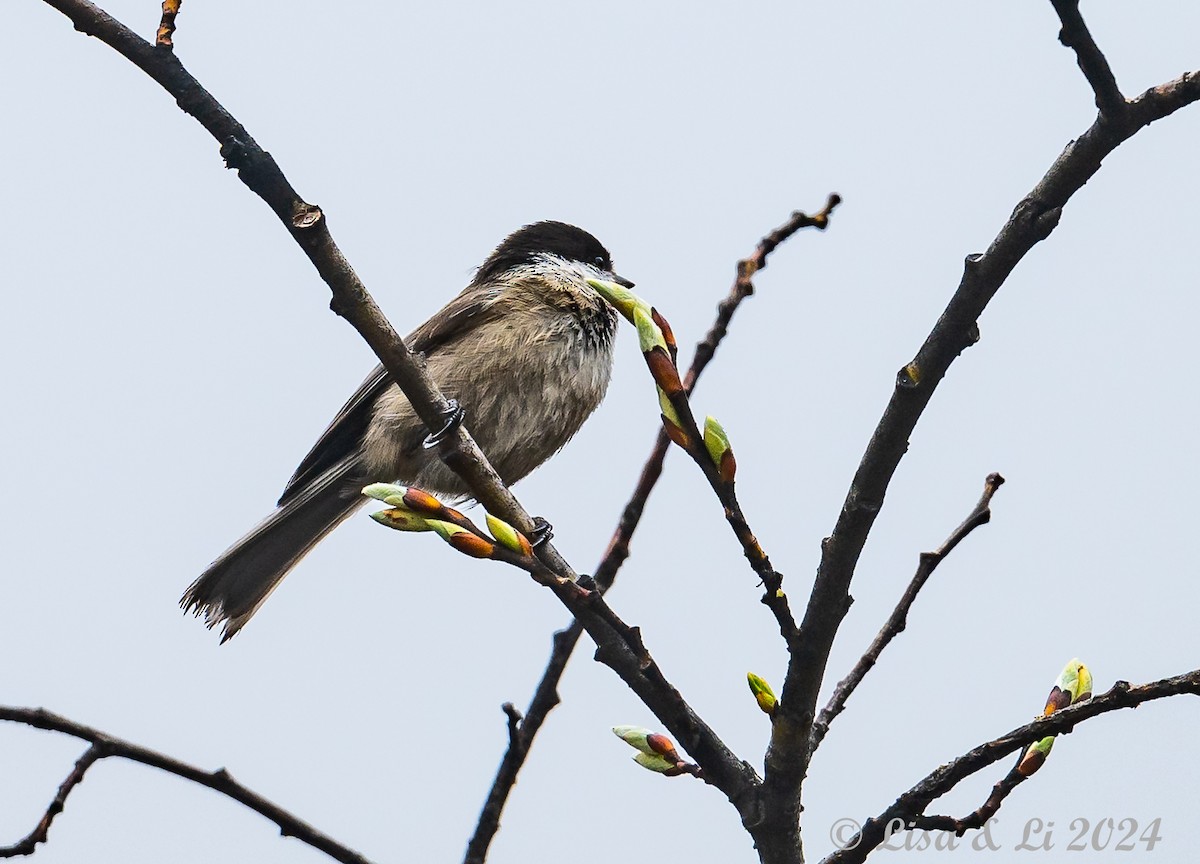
x=909 y=378
x=235 y=152
x=306 y=216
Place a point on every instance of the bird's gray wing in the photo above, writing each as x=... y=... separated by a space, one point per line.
x=344 y=434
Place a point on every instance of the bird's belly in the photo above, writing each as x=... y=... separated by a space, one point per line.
x=521 y=407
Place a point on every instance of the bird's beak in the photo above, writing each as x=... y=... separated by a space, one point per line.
x=616 y=292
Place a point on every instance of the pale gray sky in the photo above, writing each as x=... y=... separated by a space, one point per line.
x=169 y=358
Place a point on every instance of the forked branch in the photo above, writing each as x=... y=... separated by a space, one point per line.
x=104 y=746
x=911 y=805
x=897 y=621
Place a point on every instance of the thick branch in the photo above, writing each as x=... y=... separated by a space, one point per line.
x=1030 y=223
x=912 y=803
x=104 y=746
x=898 y=620
x=1076 y=36
x=546 y=697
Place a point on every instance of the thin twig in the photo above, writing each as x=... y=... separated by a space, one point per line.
x=978 y=817
x=105 y=746
x=898 y=620
x=1076 y=36
x=1034 y=218
x=912 y=803
x=166 y=27
x=27 y=844
x=545 y=696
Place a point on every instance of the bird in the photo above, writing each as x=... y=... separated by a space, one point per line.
x=525 y=351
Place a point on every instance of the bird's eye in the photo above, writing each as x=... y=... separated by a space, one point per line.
x=599 y=261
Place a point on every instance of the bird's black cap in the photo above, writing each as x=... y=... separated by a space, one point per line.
x=542 y=238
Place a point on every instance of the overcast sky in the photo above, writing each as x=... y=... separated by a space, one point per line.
x=168 y=357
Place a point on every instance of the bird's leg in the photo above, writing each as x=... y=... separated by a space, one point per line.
x=453 y=417
x=542 y=531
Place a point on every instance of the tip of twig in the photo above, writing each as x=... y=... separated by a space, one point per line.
x=166 y=27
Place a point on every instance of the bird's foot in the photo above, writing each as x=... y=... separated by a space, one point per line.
x=542 y=531
x=453 y=417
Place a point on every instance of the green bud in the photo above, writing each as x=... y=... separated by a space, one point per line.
x=384 y=491
x=717 y=444
x=402 y=519
x=763 y=694
x=650 y=335
x=636 y=737
x=1074 y=685
x=715 y=439
x=508 y=536
x=620 y=297
x=668 y=410
x=446 y=530
x=654 y=762
x=1035 y=756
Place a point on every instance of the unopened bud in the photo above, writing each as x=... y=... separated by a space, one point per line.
x=659 y=765
x=717 y=444
x=1074 y=685
x=508 y=536
x=763 y=694
x=402 y=519
x=1035 y=756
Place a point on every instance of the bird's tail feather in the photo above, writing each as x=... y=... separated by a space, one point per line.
x=237 y=583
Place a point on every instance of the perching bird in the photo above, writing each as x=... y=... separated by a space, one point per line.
x=525 y=350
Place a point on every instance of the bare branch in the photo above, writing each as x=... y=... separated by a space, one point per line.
x=1076 y=36
x=104 y=746
x=506 y=777
x=27 y=844
x=1032 y=221
x=912 y=803
x=546 y=697
x=544 y=700
x=898 y=620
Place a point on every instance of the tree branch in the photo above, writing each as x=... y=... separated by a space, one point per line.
x=898 y=620
x=912 y=803
x=41 y=832
x=545 y=696
x=1076 y=36
x=1033 y=219
x=105 y=746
